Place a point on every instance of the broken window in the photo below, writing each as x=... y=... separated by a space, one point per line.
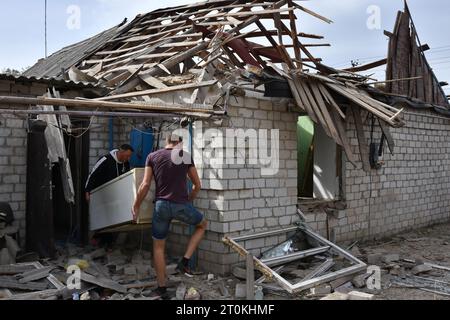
x=303 y=261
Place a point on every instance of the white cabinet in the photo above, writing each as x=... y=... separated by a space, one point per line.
x=110 y=204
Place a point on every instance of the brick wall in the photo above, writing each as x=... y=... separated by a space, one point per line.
x=409 y=192
x=13 y=152
x=236 y=198
x=13 y=138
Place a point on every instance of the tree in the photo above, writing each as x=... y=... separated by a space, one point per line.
x=13 y=72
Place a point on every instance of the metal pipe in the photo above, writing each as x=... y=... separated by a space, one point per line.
x=92 y=113
x=86 y=103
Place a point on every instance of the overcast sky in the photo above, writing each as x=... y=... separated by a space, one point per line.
x=22 y=27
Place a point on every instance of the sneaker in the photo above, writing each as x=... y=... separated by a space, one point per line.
x=181 y=268
x=159 y=294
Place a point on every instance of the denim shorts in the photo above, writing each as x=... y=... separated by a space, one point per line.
x=166 y=211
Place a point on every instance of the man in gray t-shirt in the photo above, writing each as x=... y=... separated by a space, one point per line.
x=170 y=167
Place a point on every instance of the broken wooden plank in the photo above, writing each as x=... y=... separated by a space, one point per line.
x=11 y=283
x=103 y=282
x=305 y=101
x=258 y=264
x=153 y=82
x=354 y=96
x=340 y=126
x=362 y=142
x=326 y=94
x=39 y=295
x=318 y=16
x=36 y=274
x=14 y=269
x=387 y=133
x=326 y=115
x=159 y=91
x=368 y=66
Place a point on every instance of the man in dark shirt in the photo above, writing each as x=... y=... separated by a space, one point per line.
x=170 y=167
x=107 y=168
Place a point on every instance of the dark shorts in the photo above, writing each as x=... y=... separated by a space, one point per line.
x=166 y=211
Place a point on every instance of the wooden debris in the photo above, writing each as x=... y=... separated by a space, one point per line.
x=36 y=274
x=14 y=269
x=103 y=282
x=11 y=283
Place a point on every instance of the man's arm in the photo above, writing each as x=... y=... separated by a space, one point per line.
x=196 y=184
x=142 y=192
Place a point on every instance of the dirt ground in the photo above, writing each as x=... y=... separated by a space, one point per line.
x=430 y=245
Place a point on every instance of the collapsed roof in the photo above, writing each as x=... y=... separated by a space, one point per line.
x=225 y=45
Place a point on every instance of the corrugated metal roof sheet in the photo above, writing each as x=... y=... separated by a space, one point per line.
x=70 y=55
x=50 y=81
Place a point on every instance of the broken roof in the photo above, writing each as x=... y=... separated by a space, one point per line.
x=63 y=59
x=226 y=44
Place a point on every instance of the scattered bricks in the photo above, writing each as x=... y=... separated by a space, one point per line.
x=374 y=258
x=340 y=281
x=389 y=258
x=336 y=296
x=356 y=295
x=355 y=251
x=345 y=288
x=321 y=290
x=421 y=269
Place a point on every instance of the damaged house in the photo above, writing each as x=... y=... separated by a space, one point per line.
x=353 y=157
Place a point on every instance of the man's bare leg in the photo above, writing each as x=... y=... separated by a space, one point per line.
x=159 y=261
x=196 y=238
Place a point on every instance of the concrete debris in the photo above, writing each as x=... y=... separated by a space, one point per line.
x=356 y=252
x=360 y=280
x=345 y=288
x=223 y=289
x=389 y=258
x=423 y=268
x=321 y=290
x=374 y=258
x=356 y=295
x=336 y=296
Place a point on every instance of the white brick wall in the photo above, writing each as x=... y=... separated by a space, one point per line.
x=412 y=188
